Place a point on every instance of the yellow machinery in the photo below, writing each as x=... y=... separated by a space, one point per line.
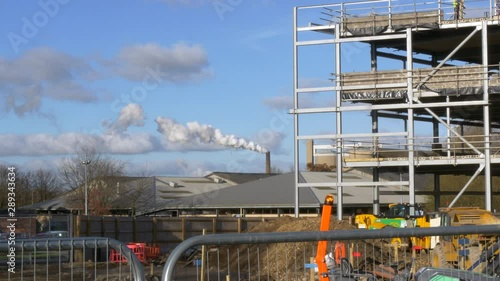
x=474 y=252
x=398 y=216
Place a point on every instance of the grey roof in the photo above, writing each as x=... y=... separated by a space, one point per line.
x=169 y=188
x=279 y=192
x=239 y=178
x=272 y=192
x=52 y=204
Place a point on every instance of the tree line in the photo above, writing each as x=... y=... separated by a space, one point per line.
x=88 y=166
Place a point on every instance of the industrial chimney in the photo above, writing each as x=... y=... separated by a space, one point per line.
x=268 y=162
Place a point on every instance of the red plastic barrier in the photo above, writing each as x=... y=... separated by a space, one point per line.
x=142 y=251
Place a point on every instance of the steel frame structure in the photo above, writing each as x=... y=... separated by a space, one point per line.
x=419 y=103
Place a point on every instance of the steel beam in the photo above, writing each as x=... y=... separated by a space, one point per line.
x=391 y=115
x=345 y=136
x=403 y=58
x=354 y=184
x=387 y=107
x=351 y=39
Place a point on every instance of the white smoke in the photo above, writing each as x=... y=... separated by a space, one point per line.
x=130 y=115
x=194 y=132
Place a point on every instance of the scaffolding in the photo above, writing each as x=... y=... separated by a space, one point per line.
x=458 y=86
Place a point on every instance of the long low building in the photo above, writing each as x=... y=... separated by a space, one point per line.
x=275 y=195
x=221 y=193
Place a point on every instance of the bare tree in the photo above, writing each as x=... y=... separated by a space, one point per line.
x=72 y=170
x=20 y=186
x=43 y=185
x=3 y=185
x=91 y=168
x=276 y=170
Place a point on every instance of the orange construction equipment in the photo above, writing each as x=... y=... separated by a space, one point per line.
x=326 y=214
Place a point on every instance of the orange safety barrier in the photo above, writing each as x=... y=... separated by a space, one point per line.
x=142 y=251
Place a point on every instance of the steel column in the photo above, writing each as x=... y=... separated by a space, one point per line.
x=486 y=110
x=375 y=170
x=437 y=191
x=338 y=130
x=411 y=131
x=435 y=135
x=448 y=132
x=373 y=54
x=295 y=115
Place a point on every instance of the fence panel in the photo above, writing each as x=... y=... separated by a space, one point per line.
x=465 y=252
x=68 y=259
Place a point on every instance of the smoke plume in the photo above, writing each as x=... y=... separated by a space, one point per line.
x=194 y=132
x=130 y=115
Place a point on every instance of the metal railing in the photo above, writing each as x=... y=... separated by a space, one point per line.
x=332 y=14
x=85 y=258
x=259 y=258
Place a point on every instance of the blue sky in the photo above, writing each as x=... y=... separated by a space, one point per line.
x=77 y=73
x=170 y=86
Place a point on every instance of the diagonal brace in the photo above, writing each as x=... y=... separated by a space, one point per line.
x=479 y=170
x=448 y=57
x=450 y=129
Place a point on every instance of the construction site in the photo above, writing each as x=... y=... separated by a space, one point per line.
x=424 y=99
x=429 y=98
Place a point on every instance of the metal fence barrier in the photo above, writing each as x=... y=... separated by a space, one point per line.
x=85 y=258
x=364 y=255
x=355 y=254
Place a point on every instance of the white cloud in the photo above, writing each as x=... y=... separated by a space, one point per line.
x=44 y=73
x=179 y=63
x=69 y=143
